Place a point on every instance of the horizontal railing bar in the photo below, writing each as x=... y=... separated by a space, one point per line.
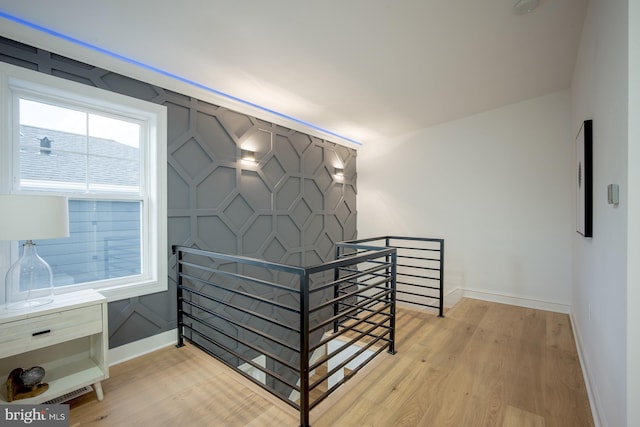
x=363 y=335
x=345 y=362
x=345 y=378
x=348 y=324
x=342 y=321
x=416 y=276
x=419 y=303
x=241 y=259
x=385 y=238
x=346 y=296
x=350 y=321
x=417 y=294
x=241 y=357
x=348 y=343
x=400 y=273
x=352 y=327
x=360 y=273
x=250 y=312
x=339 y=315
x=275 y=375
x=241 y=341
x=415 y=249
x=418 y=268
x=239 y=276
x=372 y=302
x=370 y=274
x=418 y=285
x=373 y=307
x=244 y=294
x=358 y=242
x=383 y=335
x=235 y=322
x=361 y=289
x=379 y=310
x=350 y=260
x=418 y=258
x=377 y=261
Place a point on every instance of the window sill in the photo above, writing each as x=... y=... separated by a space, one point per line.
x=125 y=291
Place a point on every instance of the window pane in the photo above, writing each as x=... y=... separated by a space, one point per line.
x=65 y=155
x=104 y=243
x=50 y=169
x=113 y=166
x=46 y=116
x=124 y=132
x=114 y=175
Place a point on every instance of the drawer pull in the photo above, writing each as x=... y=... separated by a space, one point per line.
x=35 y=334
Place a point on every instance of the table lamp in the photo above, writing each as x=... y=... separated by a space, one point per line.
x=29 y=281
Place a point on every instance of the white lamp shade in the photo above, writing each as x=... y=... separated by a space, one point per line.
x=25 y=217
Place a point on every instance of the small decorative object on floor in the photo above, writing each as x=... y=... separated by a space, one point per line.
x=22 y=384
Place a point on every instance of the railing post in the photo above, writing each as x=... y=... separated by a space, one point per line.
x=441 y=314
x=304 y=349
x=387 y=243
x=178 y=254
x=336 y=306
x=392 y=320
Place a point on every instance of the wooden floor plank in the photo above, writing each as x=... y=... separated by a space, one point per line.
x=484 y=364
x=515 y=417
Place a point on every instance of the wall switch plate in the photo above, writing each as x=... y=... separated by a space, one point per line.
x=613 y=194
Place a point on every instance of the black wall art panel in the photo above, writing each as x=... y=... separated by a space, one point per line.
x=287 y=207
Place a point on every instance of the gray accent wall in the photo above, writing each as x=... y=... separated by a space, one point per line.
x=288 y=207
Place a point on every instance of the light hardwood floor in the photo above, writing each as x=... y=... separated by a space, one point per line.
x=484 y=364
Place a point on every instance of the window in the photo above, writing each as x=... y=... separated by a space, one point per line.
x=107 y=153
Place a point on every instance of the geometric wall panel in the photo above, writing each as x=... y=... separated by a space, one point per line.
x=255 y=189
x=287 y=193
x=215 y=187
x=288 y=207
x=238 y=211
x=215 y=235
x=192 y=157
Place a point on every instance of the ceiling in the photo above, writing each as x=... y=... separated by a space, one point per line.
x=365 y=69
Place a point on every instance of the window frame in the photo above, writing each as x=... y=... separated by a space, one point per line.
x=16 y=81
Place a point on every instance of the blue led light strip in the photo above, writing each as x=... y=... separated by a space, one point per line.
x=169 y=74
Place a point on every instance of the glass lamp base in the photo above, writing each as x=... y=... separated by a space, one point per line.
x=29 y=281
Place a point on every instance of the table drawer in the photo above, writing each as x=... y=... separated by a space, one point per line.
x=41 y=331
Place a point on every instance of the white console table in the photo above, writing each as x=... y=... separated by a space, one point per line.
x=67 y=337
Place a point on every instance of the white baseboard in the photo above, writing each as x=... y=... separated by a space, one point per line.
x=454 y=296
x=592 y=392
x=143 y=346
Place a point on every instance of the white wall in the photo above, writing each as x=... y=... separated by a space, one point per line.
x=599 y=92
x=497 y=186
x=633 y=232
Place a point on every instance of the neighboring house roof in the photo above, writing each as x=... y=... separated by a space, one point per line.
x=109 y=162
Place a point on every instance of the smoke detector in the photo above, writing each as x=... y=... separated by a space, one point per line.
x=520 y=7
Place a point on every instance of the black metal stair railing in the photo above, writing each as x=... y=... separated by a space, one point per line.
x=275 y=323
x=420 y=267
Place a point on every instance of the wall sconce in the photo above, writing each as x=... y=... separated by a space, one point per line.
x=248 y=156
x=339 y=173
